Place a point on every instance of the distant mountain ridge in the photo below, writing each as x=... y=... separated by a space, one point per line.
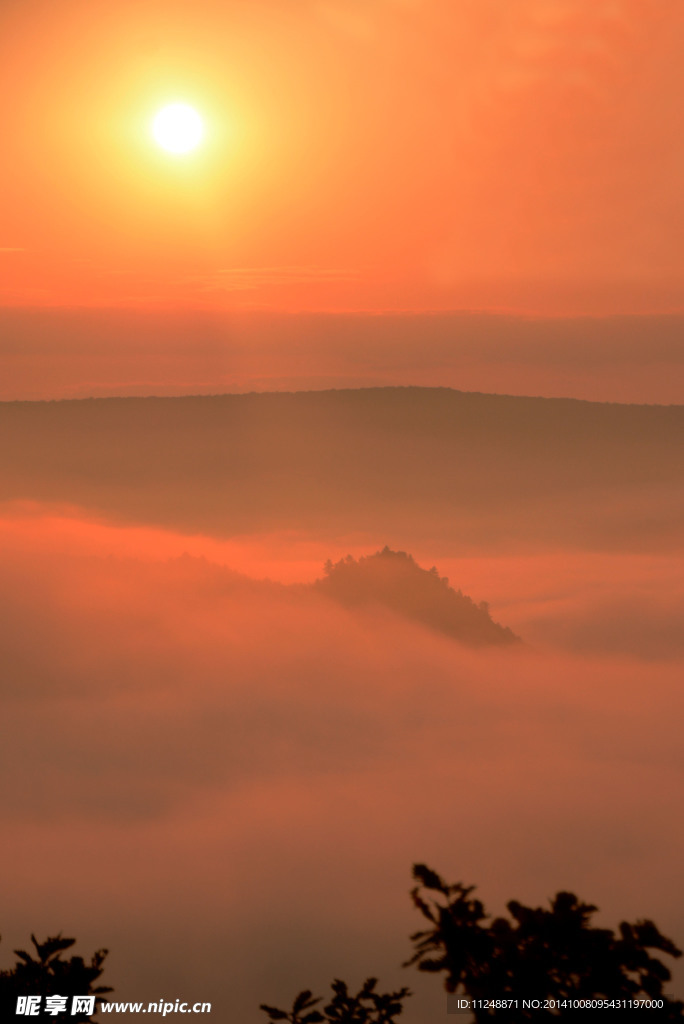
x=428 y=465
x=392 y=579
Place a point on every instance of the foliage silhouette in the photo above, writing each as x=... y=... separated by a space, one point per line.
x=48 y=974
x=394 y=580
x=539 y=954
x=366 y=1007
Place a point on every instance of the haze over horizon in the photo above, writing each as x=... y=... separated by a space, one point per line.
x=78 y=353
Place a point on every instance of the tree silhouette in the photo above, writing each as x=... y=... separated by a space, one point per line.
x=366 y=1007
x=537 y=954
x=47 y=974
x=541 y=954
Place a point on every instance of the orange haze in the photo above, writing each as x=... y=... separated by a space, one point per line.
x=388 y=154
x=227 y=783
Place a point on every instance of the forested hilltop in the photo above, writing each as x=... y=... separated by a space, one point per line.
x=392 y=579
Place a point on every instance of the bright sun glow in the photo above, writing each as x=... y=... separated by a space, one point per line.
x=178 y=128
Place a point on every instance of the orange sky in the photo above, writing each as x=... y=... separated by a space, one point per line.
x=360 y=154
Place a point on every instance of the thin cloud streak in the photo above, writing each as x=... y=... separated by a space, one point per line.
x=253 y=278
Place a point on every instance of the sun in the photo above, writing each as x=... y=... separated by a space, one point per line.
x=178 y=128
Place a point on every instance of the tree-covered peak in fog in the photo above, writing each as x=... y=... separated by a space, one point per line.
x=392 y=579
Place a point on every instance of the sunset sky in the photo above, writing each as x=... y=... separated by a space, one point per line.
x=419 y=285
x=358 y=155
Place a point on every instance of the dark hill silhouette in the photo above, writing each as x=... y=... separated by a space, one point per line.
x=423 y=463
x=394 y=580
x=388 y=579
